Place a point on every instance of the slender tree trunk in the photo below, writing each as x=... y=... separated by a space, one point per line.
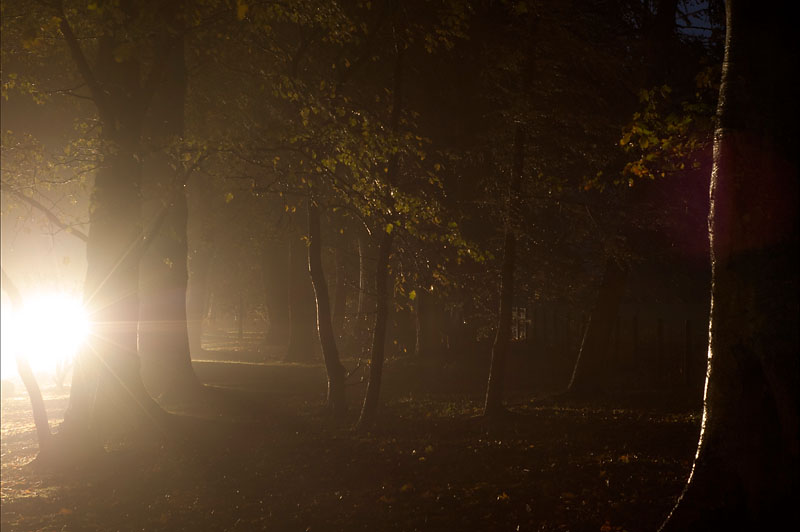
x=745 y=474
x=336 y=372
x=495 y=386
x=590 y=373
x=340 y=294
x=196 y=296
x=303 y=338
x=370 y=407
x=366 y=285
x=43 y=434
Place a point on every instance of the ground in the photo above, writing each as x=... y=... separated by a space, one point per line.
x=263 y=455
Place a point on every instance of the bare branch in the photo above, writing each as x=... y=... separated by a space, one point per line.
x=50 y=215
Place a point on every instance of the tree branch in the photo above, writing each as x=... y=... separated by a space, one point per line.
x=50 y=215
x=98 y=95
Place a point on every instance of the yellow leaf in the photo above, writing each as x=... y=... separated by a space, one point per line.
x=228 y=197
x=241 y=9
x=407 y=487
x=412 y=295
x=389 y=228
x=64 y=511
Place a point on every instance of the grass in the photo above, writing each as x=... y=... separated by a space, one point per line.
x=274 y=461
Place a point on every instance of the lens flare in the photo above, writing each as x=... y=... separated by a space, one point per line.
x=48 y=330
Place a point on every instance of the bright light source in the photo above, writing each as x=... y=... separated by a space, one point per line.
x=48 y=330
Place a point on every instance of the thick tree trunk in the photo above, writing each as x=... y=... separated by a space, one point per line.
x=163 y=330
x=369 y=409
x=303 y=338
x=107 y=395
x=336 y=372
x=495 y=385
x=590 y=373
x=745 y=474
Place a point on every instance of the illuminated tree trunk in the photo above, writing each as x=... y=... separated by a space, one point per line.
x=495 y=385
x=336 y=372
x=745 y=474
x=107 y=395
x=43 y=434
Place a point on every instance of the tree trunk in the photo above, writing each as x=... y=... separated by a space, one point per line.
x=303 y=338
x=43 y=434
x=745 y=474
x=336 y=372
x=340 y=294
x=163 y=330
x=495 y=385
x=370 y=407
x=590 y=373
x=108 y=396
x=366 y=283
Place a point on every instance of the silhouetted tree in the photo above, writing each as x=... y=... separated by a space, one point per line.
x=745 y=474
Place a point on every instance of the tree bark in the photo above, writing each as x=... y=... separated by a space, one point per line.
x=164 y=275
x=745 y=474
x=495 y=385
x=336 y=372
x=590 y=373
x=108 y=396
x=340 y=293
x=366 y=283
x=370 y=407
x=303 y=338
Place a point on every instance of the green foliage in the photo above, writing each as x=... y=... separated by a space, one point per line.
x=667 y=136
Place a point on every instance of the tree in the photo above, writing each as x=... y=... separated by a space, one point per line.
x=745 y=473
x=107 y=394
x=495 y=386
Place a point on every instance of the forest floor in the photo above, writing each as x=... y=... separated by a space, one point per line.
x=268 y=458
